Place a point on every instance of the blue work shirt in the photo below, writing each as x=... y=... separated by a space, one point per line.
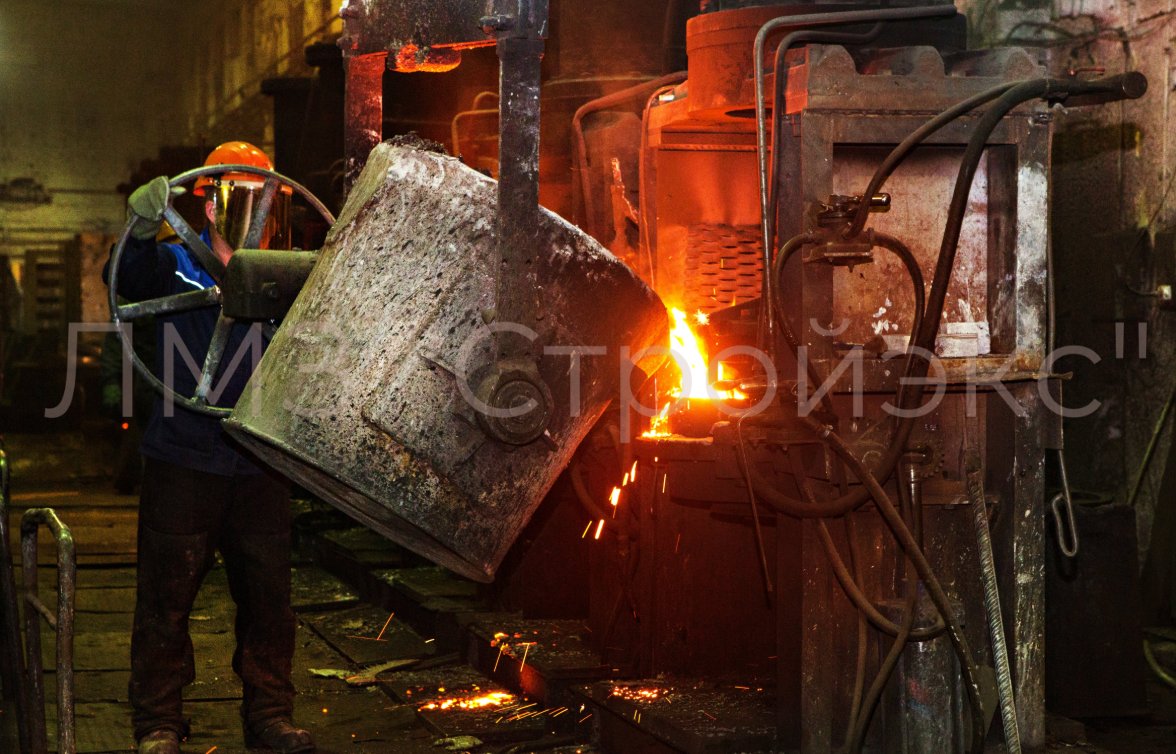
x=150 y=270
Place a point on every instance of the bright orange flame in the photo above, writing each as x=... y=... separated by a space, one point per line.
x=690 y=356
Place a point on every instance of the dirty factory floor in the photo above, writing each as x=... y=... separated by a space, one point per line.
x=393 y=654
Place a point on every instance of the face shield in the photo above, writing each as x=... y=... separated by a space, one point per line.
x=235 y=204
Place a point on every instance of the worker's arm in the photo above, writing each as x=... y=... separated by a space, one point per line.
x=146 y=268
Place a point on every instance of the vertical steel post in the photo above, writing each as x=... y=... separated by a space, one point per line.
x=364 y=116
x=518 y=181
x=520 y=52
x=63 y=622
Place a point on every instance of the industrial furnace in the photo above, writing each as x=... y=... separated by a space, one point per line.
x=730 y=564
x=821 y=480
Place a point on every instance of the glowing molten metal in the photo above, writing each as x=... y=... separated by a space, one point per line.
x=493 y=699
x=690 y=356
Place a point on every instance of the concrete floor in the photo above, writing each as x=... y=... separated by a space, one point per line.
x=337 y=635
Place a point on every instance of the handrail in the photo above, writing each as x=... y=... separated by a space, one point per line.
x=63 y=623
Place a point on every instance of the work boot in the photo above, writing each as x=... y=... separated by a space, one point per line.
x=165 y=741
x=281 y=736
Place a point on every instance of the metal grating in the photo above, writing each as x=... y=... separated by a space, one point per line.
x=723 y=264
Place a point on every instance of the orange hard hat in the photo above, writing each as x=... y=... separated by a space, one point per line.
x=233 y=196
x=234 y=153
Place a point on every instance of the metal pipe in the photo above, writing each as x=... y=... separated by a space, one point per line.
x=769 y=588
x=917 y=137
x=644 y=201
x=1163 y=675
x=761 y=38
x=455 y=132
x=260 y=214
x=1152 y=444
x=863 y=634
x=66 y=581
x=212 y=358
x=923 y=568
x=911 y=498
x=1068 y=541
x=180 y=302
x=211 y=262
x=629 y=94
x=1000 y=650
x=779 y=104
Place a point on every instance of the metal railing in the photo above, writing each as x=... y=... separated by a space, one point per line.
x=62 y=623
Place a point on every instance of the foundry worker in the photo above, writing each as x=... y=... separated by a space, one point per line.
x=199 y=493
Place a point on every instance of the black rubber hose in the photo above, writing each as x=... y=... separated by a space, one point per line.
x=796 y=243
x=863 y=633
x=590 y=506
x=923 y=568
x=907 y=145
x=888 y=242
x=905 y=634
x=779 y=96
x=861 y=601
x=857 y=497
x=1122 y=86
x=848 y=583
x=806 y=20
x=900 y=250
x=793 y=245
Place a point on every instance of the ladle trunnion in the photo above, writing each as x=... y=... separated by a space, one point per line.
x=367 y=394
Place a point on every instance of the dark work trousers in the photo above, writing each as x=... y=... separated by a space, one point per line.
x=184 y=517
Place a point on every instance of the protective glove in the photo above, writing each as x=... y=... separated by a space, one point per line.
x=147 y=204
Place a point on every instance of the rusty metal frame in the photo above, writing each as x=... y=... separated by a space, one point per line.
x=1018 y=234
x=377 y=29
x=381 y=26
x=1019 y=144
x=62 y=622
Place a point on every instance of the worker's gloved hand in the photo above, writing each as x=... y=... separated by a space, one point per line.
x=147 y=204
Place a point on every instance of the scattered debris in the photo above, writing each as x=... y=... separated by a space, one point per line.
x=458 y=743
x=364 y=677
